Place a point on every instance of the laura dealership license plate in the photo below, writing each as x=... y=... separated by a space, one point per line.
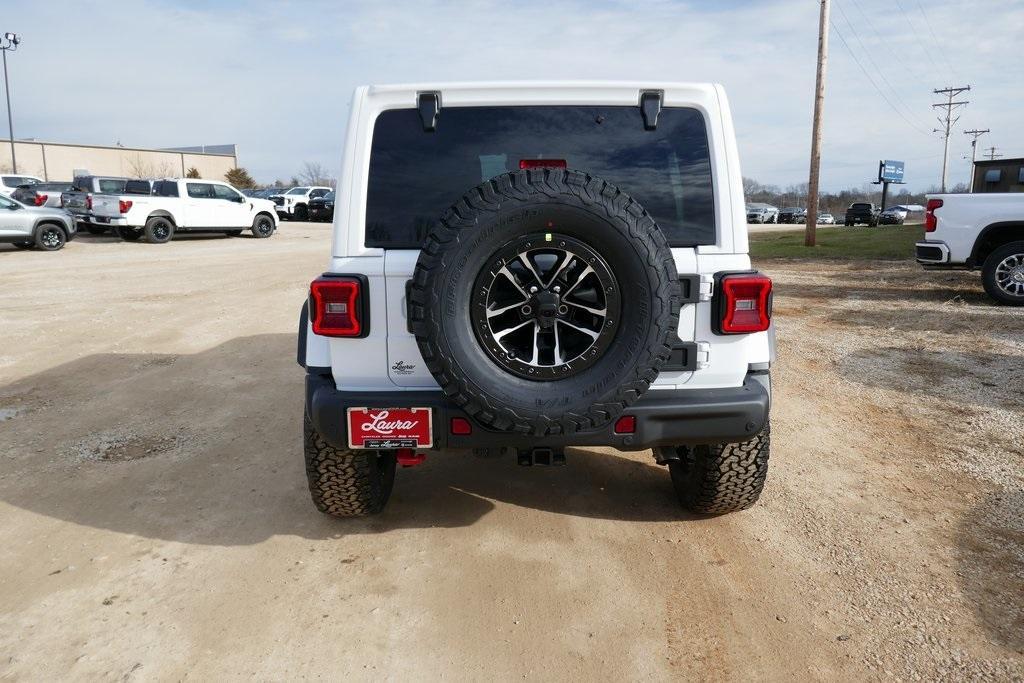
x=390 y=428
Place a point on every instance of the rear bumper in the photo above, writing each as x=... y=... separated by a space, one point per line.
x=663 y=417
x=931 y=253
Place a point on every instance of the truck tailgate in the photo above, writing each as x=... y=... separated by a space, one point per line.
x=106 y=205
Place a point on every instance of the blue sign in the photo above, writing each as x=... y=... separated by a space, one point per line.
x=890 y=171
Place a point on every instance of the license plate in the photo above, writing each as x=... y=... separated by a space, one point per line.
x=390 y=428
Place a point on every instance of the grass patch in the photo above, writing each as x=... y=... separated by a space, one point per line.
x=888 y=242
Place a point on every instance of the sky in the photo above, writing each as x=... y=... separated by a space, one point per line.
x=276 y=77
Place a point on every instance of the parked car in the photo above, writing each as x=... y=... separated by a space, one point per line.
x=892 y=216
x=978 y=231
x=39 y=227
x=41 y=194
x=861 y=212
x=793 y=214
x=491 y=317
x=826 y=219
x=185 y=204
x=295 y=202
x=762 y=213
x=322 y=208
x=9 y=182
x=78 y=200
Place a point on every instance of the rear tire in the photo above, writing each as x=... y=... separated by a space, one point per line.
x=50 y=238
x=714 y=480
x=998 y=274
x=159 y=230
x=262 y=226
x=346 y=483
x=301 y=213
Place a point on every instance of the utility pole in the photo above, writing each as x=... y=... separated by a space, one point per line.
x=991 y=153
x=948 y=122
x=975 y=134
x=10 y=42
x=819 y=104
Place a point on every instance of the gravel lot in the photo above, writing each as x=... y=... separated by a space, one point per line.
x=154 y=520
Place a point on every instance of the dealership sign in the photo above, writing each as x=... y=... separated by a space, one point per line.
x=890 y=171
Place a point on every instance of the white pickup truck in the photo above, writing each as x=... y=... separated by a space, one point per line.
x=294 y=203
x=978 y=231
x=181 y=204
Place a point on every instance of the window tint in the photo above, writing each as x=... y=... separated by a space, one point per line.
x=199 y=190
x=317 y=193
x=224 y=192
x=329 y=197
x=165 y=188
x=137 y=187
x=415 y=175
x=52 y=187
x=860 y=206
x=298 y=190
x=111 y=186
x=5 y=202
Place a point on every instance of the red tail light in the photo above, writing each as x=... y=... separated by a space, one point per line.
x=336 y=307
x=930 y=222
x=40 y=199
x=123 y=205
x=625 y=425
x=461 y=426
x=745 y=303
x=541 y=163
x=88 y=201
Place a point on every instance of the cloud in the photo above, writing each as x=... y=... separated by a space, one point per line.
x=276 y=78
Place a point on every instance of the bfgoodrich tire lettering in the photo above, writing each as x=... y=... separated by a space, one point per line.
x=468 y=240
x=721 y=478
x=346 y=483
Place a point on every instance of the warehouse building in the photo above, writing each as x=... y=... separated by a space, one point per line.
x=60 y=161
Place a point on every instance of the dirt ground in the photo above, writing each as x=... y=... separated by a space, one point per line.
x=155 y=523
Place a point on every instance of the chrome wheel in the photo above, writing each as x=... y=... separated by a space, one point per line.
x=547 y=307
x=1009 y=275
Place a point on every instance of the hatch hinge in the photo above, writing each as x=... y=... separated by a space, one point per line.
x=429 y=104
x=707 y=287
x=650 y=107
x=703 y=355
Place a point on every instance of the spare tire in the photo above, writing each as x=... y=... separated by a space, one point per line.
x=544 y=302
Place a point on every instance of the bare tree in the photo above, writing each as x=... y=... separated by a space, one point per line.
x=315 y=173
x=141 y=167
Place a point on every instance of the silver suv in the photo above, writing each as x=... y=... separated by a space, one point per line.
x=28 y=226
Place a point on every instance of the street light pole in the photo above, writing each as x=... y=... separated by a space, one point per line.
x=10 y=42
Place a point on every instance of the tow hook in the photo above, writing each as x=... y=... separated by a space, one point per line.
x=541 y=456
x=408 y=457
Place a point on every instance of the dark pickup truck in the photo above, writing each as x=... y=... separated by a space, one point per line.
x=861 y=212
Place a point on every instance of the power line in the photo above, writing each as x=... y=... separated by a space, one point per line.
x=920 y=42
x=949 y=121
x=936 y=39
x=867 y=75
x=878 y=69
x=922 y=73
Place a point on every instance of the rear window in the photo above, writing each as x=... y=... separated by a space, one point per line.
x=110 y=186
x=860 y=206
x=415 y=175
x=15 y=181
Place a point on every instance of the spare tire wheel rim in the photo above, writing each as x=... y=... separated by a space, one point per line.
x=546 y=307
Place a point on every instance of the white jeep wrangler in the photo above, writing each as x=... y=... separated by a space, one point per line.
x=525 y=267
